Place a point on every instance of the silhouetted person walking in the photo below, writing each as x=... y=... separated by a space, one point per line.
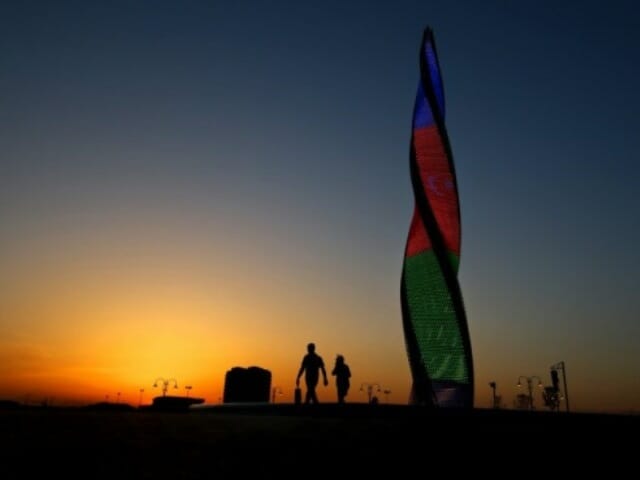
x=312 y=364
x=342 y=374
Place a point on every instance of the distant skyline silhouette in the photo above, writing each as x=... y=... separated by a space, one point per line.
x=189 y=187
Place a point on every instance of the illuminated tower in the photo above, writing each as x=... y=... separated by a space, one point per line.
x=434 y=320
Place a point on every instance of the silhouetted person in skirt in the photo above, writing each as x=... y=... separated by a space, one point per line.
x=342 y=374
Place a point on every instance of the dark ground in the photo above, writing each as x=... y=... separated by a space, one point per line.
x=285 y=441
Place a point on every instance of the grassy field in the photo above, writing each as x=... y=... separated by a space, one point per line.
x=275 y=441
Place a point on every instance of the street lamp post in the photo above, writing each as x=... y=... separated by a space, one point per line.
x=188 y=388
x=386 y=395
x=369 y=387
x=140 y=399
x=494 y=398
x=275 y=391
x=529 y=381
x=165 y=384
x=560 y=366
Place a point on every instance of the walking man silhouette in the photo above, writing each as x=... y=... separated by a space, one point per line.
x=312 y=364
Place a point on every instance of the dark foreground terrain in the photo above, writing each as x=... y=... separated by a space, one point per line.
x=285 y=441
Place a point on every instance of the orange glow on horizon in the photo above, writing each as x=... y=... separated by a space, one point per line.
x=77 y=326
x=81 y=334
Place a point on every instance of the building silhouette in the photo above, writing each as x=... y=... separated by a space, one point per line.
x=247 y=385
x=434 y=319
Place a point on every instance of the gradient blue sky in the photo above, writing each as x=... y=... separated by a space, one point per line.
x=267 y=143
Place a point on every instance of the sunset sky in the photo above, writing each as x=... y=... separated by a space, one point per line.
x=191 y=186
